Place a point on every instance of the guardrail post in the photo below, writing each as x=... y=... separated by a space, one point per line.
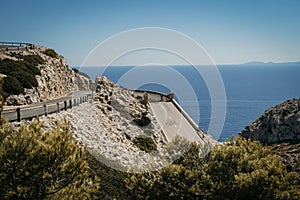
x=70 y=103
x=45 y=109
x=18 y=114
x=57 y=106
x=65 y=104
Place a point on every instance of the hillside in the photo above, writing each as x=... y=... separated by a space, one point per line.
x=278 y=124
x=37 y=74
x=279 y=127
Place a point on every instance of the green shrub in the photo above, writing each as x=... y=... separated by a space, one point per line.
x=146 y=144
x=33 y=59
x=112 y=185
x=8 y=66
x=11 y=86
x=75 y=70
x=43 y=165
x=243 y=169
x=51 y=53
x=20 y=74
x=1 y=97
x=142 y=121
x=239 y=169
x=26 y=79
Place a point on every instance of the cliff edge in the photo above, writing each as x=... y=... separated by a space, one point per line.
x=37 y=74
x=278 y=124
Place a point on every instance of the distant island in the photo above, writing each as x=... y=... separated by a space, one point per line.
x=270 y=63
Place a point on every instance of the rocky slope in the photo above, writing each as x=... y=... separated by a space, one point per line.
x=279 y=127
x=108 y=127
x=277 y=124
x=56 y=78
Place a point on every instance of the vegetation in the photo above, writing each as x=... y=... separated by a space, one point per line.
x=240 y=169
x=142 y=121
x=51 y=165
x=20 y=74
x=145 y=144
x=38 y=165
x=11 y=85
x=51 y=53
x=112 y=184
x=75 y=70
x=1 y=98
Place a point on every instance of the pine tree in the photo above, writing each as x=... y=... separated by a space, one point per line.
x=238 y=169
x=36 y=165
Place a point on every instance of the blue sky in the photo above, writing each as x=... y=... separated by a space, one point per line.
x=231 y=31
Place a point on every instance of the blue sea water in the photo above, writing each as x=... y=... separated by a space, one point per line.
x=250 y=89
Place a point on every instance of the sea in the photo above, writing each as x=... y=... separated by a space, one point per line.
x=245 y=90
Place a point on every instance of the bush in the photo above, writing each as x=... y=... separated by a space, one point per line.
x=8 y=66
x=12 y=86
x=146 y=144
x=243 y=169
x=38 y=165
x=51 y=53
x=239 y=169
x=111 y=180
x=1 y=97
x=75 y=70
x=142 y=121
x=20 y=74
x=33 y=60
x=26 y=79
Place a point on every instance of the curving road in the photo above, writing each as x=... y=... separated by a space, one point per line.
x=173 y=119
x=54 y=105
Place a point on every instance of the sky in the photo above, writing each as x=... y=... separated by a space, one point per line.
x=231 y=31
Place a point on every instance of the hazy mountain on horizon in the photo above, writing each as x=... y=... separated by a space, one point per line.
x=269 y=63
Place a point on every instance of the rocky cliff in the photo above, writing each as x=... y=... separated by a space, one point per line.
x=277 y=124
x=118 y=130
x=56 y=79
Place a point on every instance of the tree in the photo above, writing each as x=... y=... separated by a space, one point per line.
x=180 y=180
x=238 y=169
x=242 y=169
x=36 y=165
x=1 y=98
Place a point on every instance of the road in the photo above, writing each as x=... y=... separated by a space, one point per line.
x=172 y=120
x=29 y=111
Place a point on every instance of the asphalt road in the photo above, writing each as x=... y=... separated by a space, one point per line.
x=173 y=122
x=38 y=109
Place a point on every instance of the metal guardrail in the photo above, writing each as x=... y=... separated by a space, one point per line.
x=177 y=106
x=31 y=112
x=6 y=46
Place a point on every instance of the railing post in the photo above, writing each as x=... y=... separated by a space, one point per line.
x=45 y=109
x=65 y=104
x=57 y=106
x=18 y=114
x=70 y=103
